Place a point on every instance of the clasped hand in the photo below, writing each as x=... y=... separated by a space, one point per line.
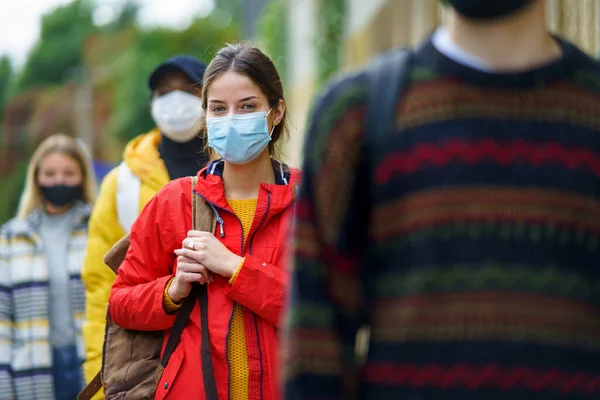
x=201 y=255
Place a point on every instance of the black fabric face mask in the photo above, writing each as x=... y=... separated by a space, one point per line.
x=61 y=195
x=487 y=9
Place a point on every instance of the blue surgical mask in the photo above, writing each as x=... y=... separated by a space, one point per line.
x=239 y=138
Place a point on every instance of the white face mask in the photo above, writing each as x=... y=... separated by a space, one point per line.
x=178 y=115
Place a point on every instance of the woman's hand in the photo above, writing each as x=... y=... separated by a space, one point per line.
x=188 y=272
x=205 y=249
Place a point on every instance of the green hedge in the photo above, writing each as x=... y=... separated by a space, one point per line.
x=272 y=33
x=330 y=35
x=12 y=186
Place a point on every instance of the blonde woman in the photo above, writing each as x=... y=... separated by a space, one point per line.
x=41 y=294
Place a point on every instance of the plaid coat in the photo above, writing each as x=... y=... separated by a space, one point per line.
x=25 y=349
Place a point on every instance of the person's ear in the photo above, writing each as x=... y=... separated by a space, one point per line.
x=278 y=112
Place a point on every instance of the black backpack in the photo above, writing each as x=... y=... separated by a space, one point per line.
x=386 y=76
x=387 y=81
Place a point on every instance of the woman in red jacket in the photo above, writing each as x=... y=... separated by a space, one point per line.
x=242 y=262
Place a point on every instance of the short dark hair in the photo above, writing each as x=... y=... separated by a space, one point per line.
x=248 y=60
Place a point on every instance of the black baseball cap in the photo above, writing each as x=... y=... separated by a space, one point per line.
x=190 y=66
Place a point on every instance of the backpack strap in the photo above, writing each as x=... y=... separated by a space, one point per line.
x=386 y=80
x=208 y=376
x=183 y=315
x=128 y=196
x=203 y=219
x=91 y=388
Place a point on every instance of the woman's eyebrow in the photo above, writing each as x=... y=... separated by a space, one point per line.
x=247 y=98
x=239 y=101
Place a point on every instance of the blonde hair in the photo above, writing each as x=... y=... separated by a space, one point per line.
x=58 y=143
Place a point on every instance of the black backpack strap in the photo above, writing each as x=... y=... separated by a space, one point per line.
x=208 y=376
x=199 y=293
x=386 y=77
x=387 y=81
x=183 y=314
x=203 y=219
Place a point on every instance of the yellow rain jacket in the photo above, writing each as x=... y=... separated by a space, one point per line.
x=142 y=157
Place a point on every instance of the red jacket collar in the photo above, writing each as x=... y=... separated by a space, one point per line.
x=281 y=194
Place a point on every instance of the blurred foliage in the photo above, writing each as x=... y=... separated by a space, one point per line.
x=6 y=75
x=330 y=33
x=116 y=58
x=12 y=185
x=233 y=7
x=60 y=47
x=127 y=17
x=146 y=50
x=272 y=34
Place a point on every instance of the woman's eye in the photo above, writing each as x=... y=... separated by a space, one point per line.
x=248 y=107
x=218 y=109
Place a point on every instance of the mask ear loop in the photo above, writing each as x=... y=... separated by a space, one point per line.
x=274 y=123
x=282 y=173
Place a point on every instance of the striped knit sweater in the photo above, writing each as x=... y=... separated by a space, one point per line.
x=468 y=239
x=25 y=348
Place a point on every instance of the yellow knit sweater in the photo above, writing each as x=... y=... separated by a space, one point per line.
x=236 y=341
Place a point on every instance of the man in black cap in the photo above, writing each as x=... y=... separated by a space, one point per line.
x=177 y=110
x=172 y=150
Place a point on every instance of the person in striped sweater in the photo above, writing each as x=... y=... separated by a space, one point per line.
x=468 y=240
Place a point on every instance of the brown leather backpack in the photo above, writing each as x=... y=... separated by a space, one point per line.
x=131 y=362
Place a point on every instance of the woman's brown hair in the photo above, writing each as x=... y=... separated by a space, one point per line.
x=248 y=60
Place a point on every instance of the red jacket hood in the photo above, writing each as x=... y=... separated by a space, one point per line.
x=283 y=192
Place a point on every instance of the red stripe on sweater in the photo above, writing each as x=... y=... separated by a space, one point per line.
x=474 y=377
x=485 y=150
x=304 y=209
x=344 y=264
